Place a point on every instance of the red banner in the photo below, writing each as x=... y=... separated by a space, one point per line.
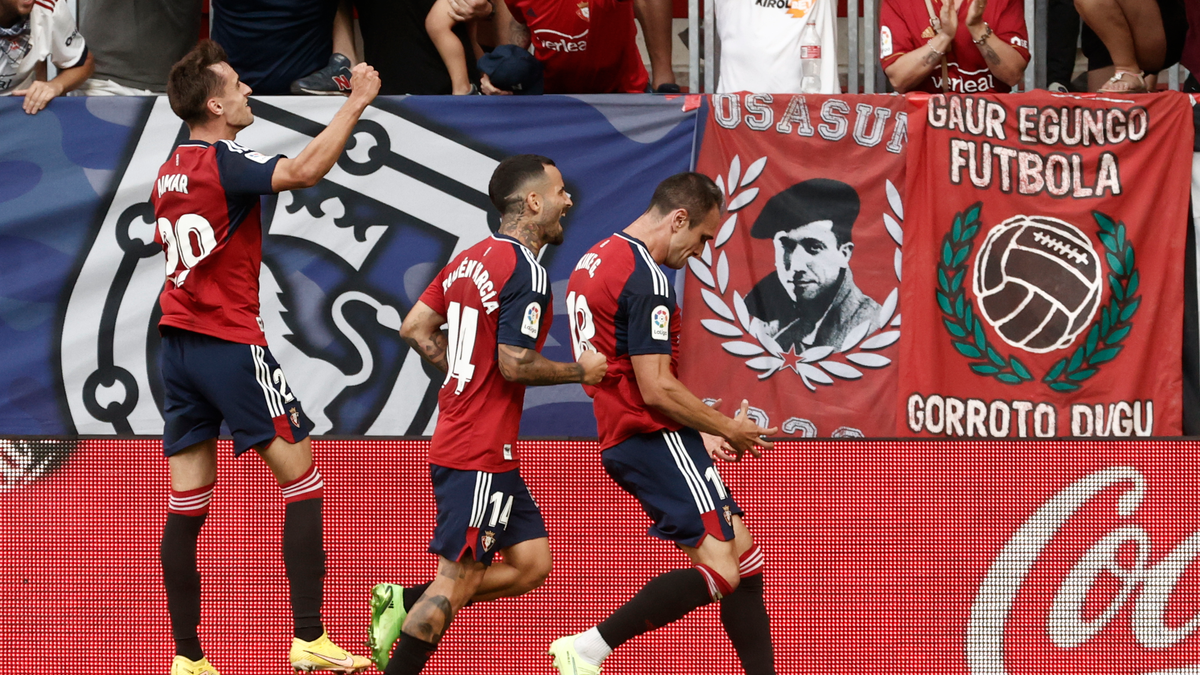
x=881 y=557
x=1043 y=287
x=794 y=305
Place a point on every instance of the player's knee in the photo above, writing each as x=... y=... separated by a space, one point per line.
x=728 y=570
x=731 y=576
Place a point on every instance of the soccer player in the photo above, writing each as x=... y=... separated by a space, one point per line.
x=658 y=440
x=215 y=361
x=494 y=299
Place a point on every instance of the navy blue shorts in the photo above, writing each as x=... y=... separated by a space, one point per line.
x=672 y=476
x=481 y=513
x=207 y=379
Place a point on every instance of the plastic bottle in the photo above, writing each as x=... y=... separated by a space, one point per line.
x=810 y=58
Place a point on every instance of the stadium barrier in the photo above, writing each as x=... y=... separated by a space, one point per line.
x=881 y=557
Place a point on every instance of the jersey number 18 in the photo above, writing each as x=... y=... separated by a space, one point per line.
x=583 y=329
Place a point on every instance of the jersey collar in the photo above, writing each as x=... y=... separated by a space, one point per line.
x=633 y=240
x=505 y=237
x=195 y=144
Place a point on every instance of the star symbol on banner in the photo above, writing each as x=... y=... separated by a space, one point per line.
x=791 y=359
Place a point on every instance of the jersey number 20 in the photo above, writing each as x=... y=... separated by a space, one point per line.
x=189 y=240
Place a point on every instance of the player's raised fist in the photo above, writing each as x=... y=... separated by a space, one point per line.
x=364 y=83
x=594 y=364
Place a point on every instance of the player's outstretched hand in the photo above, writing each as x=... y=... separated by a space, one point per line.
x=746 y=434
x=595 y=365
x=364 y=83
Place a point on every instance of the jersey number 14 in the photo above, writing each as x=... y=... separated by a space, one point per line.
x=461 y=323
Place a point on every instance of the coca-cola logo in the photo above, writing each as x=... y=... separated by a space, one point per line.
x=1116 y=583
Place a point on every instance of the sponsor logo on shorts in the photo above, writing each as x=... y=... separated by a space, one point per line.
x=294 y=416
x=660 y=322
x=728 y=517
x=489 y=540
x=532 y=320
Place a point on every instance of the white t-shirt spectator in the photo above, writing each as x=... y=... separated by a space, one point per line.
x=51 y=32
x=761 y=44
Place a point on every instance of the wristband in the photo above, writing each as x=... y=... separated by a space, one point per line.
x=987 y=33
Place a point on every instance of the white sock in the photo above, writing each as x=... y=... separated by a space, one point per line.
x=591 y=647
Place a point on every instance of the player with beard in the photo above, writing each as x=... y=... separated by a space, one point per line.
x=215 y=362
x=494 y=299
x=658 y=440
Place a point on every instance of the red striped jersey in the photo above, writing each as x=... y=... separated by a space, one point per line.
x=207 y=203
x=621 y=304
x=491 y=294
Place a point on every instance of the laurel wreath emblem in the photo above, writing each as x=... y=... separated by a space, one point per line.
x=762 y=353
x=1104 y=336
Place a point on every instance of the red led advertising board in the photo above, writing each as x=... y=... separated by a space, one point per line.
x=882 y=557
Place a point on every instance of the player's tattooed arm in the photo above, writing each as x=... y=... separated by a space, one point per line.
x=527 y=366
x=422 y=330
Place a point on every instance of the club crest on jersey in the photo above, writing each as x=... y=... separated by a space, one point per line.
x=581 y=11
x=660 y=323
x=488 y=539
x=532 y=320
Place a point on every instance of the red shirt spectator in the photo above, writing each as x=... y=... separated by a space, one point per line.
x=905 y=27
x=585 y=46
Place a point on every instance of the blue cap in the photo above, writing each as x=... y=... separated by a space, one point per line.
x=513 y=69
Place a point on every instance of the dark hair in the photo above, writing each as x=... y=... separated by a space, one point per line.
x=807 y=202
x=512 y=175
x=694 y=192
x=193 y=82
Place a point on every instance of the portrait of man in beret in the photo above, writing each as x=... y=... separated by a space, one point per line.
x=810 y=299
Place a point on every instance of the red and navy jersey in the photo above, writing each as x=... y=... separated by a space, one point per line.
x=207 y=203
x=491 y=294
x=621 y=304
x=586 y=47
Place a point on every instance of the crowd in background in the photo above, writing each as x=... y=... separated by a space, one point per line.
x=504 y=47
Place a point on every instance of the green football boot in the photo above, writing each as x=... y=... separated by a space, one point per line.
x=387 y=618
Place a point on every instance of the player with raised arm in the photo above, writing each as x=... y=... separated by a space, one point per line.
x=658 y=440
x=494 y=300
x=215 y=362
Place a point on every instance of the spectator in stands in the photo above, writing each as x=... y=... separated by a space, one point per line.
x=396 y=43
x=282 y=46
x=512 y=70
x=970 y=46
x=136 y=42
x=777 y=47
x=655 y=17
x=1062 y=44
x=585 y=47
x=440 y=23
x=1128 y=42
x=30 y=32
